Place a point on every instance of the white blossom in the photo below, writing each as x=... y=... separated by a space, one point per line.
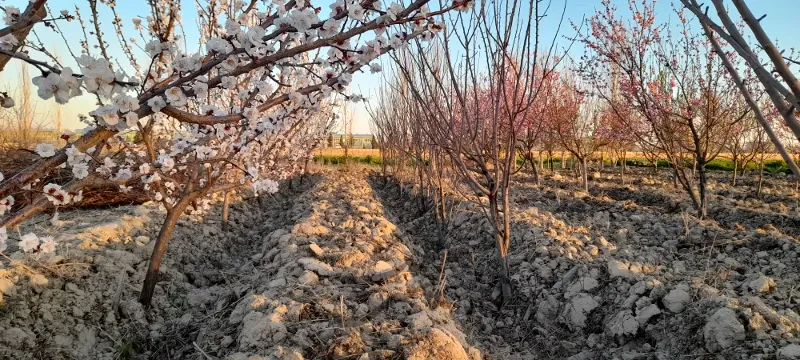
x=218 y=45
x=80 y=171
x=131 y=119
x=45 y=150
x=48 y=245
x=63 y=86
x=56 y=195
x=126 y=103
x=6 y=204
x=200 y=89
x=12 y=15
x=230 y=63
x=229 y=82
x=176 y=97
x=154 y=48
x=8 y=42
x=356 y=12
x=28 y=242
x=375 y=68
x=156 y=103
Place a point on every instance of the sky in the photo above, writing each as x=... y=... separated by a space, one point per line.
x=779 y=24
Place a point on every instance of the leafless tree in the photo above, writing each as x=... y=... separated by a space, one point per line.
x=474 y=97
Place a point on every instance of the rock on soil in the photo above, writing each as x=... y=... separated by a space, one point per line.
x=349 y=266
x=722 y=330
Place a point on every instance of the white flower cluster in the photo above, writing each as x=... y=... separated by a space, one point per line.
x=63 y=86
x=258 y=98
x=31 y=243
x=79 y=162
x=265 y=186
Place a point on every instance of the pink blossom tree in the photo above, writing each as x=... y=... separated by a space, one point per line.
x=670 y=78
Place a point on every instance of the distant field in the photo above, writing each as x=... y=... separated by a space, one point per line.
x=351 y=152
x=375 y=152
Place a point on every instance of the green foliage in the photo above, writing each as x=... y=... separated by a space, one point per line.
x=776 y=166
x=720 y=164
x=339 y=159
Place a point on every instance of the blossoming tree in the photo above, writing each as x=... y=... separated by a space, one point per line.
x=245 y=110
x=671 y=79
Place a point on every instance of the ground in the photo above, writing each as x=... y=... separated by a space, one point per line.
x=347 y=266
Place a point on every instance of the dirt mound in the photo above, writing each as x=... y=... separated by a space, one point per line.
x=319 y=273
x=609 y=274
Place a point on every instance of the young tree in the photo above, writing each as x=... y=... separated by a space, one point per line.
x=474 y=102
x=673 y=82
x=576 y=120
x=618 y=135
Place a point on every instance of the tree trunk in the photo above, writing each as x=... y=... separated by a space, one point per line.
x=602 y=160
x=735 y=168
x=502 y=241
x=305 y=171
x=701 y=169
x=585 y=174
x=541 y=161
x=150 y=279
x=226 y=204
x=622 y=169
x=760 y=177
x=536 y=175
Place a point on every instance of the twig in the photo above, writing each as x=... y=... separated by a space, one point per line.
x=442 y=276
x=201 y=351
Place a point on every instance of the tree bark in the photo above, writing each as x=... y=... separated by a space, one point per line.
x=226 y=203
x=760 y=177
x=585 y=174
x=701 y=169
x=502 y=239
x=150 y=279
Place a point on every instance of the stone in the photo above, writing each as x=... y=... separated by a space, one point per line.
x=761 y=283
x=722 y=330
x=317 y=266
x=622 y=324
x=578 y=309
x=15 y=338
x=645 y=314
x=382 y=270
x=676 y=300
x=618 y=268
x=318 y=251
x=308 y=278
x=6 y=286
x=789 y=352
x=583 y=284
x=261 y=331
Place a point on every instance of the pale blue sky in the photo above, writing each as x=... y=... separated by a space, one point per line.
x=779 y=24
